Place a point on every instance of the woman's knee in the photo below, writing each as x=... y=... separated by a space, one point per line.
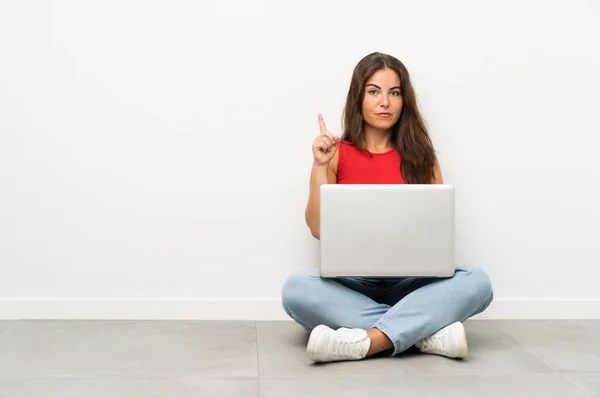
x=479 y=284
x=296 y=290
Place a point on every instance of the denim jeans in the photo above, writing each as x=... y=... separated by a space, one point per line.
x=405 y=309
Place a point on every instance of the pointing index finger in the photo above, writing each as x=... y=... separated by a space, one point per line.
x=322 y=126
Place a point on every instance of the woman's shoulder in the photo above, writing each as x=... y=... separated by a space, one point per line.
x=347 y=146
x=338 y=157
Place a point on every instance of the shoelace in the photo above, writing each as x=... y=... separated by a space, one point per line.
x=345 y=344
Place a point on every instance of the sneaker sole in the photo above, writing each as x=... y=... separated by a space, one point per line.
x=313 y=342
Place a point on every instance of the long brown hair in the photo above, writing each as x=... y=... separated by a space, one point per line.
x=409 y=135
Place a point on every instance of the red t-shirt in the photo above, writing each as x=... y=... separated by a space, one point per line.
x=360 y=167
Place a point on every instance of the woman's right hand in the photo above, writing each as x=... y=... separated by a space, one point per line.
x=325 y=145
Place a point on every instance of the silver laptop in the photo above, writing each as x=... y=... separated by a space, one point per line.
x=395 y=230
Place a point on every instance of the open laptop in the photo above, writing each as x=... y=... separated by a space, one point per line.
x=395 y=230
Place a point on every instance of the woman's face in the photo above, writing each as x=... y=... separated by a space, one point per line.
x=382 y=104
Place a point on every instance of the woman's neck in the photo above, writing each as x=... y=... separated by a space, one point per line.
x=377 y=140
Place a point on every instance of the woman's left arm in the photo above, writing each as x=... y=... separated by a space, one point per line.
x=437 y=171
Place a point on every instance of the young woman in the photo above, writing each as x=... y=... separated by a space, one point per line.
x=384 y=141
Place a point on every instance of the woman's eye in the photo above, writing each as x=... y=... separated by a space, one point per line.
x=372 y=92
x=396 y=93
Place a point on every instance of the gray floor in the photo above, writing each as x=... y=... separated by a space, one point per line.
x=267 y=359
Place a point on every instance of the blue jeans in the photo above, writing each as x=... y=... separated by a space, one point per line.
x=405 y=309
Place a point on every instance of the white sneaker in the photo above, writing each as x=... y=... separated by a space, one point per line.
x=327 y=345
x=450 y=342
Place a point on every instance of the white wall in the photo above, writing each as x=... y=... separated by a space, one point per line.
x=155 y=156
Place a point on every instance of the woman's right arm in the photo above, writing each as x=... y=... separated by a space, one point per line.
x=323 y=172
x=319 y=175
